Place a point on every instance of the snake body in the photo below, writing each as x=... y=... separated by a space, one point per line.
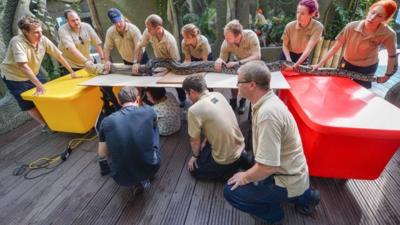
x=208 y=66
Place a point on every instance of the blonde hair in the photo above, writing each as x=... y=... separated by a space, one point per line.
x=154 y=20
x=190 y=29
x=234 y=27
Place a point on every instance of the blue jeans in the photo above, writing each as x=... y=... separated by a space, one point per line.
x=263 y=199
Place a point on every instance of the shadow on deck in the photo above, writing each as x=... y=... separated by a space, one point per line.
x=75 y=193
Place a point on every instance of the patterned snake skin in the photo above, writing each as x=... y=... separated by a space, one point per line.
x=195 y=67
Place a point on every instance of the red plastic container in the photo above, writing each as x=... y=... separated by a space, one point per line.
x=347 y=131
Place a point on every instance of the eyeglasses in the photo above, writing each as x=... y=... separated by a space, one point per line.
x=243 y=82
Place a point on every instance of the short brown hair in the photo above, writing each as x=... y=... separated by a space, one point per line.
x=68 y=11
x=27 y=22
x=190 y=29
x=154 y=20
x=234 y=27
x=257 y=72
x=195 y=82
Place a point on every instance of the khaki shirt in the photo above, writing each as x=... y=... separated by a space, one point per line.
x=247 y=46
x=202 y=48
x=125 y=42
x=165 y=48
x=296 y=37
x=82 y=41
x=20 y=50
x=361 y=49
x=213 y=117
x=276 y=142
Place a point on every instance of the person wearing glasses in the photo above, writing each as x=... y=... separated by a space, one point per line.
x=280 y=173
x=221 y=153
x=76 y=37
x=245 y=46
x=20 y=69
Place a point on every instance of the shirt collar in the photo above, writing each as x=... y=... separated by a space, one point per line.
x=260 y=101
x=380 y=31
x=204 y=94
x=308 y=27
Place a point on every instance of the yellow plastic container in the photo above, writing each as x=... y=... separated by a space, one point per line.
x=66 y=106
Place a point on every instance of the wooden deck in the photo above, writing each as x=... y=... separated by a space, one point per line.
x=75 y=193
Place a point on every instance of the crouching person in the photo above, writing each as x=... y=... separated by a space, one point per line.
x=130 y=138
x=221 y=153
x=280 y=173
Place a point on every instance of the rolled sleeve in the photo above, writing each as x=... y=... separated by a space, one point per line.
x=390 y=44
x=66 y=39
x=94 y=38
x=51 y=49
x=145 y=39
x=194 y=125
x=254 y=43
x=109 y=43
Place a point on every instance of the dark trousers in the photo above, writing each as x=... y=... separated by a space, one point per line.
x=367 y=70
x=209 y=169
x=294 y=57
x=263 y=199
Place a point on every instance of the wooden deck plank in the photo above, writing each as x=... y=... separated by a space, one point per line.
x=68 y=205
x=200 y=206
x=182 y=195
x=43 y=193
x=221 y=211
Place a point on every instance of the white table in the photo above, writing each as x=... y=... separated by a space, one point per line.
x=214 y=80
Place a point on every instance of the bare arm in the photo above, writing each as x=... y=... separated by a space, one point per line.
x=256 y=173
x=99 y=50
x=330 y=53
x=286 y=52
x=64 y=62
x=32 y=77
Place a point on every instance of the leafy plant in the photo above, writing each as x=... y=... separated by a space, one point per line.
x=204 y=22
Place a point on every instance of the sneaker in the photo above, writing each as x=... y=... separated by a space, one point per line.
x=137 y=189
x=233 y=103
x=242 y=106
x=104 y=167
x=313 y=198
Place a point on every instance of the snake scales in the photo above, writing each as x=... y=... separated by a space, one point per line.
x=195 y=67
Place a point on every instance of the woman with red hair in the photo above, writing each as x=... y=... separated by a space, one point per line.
x=300 y=36
x=362 y=40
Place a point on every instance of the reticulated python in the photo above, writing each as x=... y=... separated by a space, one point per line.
x=195 y=67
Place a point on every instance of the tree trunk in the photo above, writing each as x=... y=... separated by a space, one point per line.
x=221 y=8
x=95 y=18
x=242 y=12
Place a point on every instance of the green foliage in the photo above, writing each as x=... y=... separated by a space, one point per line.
x=344 y=12
x=203 y=22
x=48 y=65
x=278 y=14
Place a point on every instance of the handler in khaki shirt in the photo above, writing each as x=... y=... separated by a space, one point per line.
x=164 y=46
x=245 y=46
x=122 y=35
x=300 y=36
x=195 y=47
x=20 y=67
x=362 y=41
x=280 y=173
x=219 y=154
x=76 y=38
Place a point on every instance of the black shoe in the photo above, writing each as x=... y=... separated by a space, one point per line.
x=242 y=106
x=104 y=167
x=137 y=189
x=314 y=197
x=233 y=103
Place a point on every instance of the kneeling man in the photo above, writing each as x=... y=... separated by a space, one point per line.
x=131 y=139
x=221 y=153
x=280 y=173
